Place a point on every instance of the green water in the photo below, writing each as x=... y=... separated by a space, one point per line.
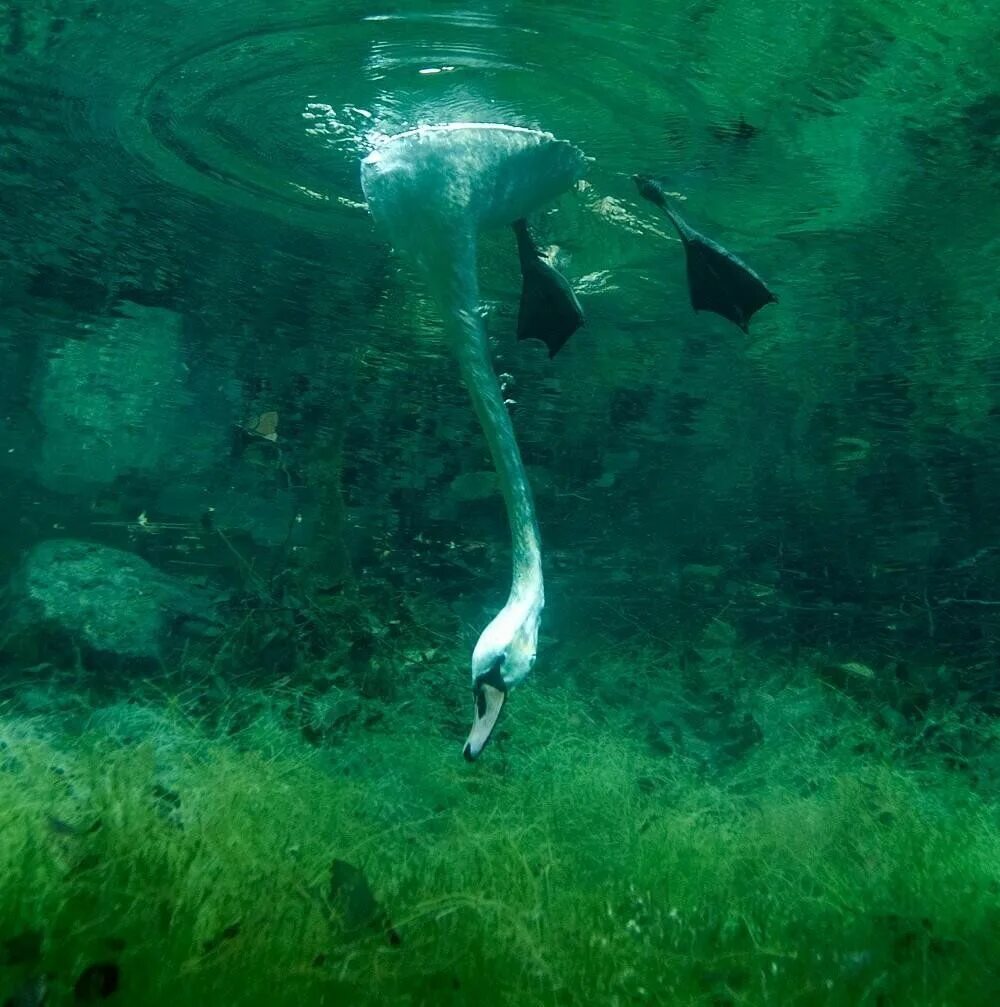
x=252 y=530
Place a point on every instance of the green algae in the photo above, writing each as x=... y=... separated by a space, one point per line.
x=571 y=866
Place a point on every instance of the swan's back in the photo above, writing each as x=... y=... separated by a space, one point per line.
x=464 y=175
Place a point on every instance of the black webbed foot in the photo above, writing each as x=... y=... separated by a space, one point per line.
x=717 y=280
x=549 y=309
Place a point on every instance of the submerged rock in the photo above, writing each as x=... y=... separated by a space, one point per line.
x=127 y=402
x=117 y=402
x=107 y=601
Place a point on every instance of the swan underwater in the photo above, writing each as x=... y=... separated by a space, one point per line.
x=432 y=190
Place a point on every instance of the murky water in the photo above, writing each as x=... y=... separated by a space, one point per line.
x=209 y=165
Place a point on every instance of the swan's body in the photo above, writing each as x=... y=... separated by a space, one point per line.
x=432 y=190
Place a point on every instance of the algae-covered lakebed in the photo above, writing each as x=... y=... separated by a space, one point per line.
x=220 y=857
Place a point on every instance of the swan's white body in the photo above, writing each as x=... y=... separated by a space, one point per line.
x=432 y=190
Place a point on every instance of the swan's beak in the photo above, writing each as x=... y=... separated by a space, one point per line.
x=489 y=703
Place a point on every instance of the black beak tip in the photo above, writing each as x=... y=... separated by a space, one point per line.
x=467 y=753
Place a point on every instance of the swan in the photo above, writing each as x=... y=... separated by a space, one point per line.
x=432 y=190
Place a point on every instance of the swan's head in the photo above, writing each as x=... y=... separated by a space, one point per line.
x=503 y=656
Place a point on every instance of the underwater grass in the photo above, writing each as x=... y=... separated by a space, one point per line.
x=564 y=868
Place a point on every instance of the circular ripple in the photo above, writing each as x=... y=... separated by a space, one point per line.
x=276 y=116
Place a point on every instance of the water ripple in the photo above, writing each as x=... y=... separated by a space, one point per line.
x=275 y=117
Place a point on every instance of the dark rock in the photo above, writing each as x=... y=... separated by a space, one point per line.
x=24 y=948
x=96 y=982
x=228 y=933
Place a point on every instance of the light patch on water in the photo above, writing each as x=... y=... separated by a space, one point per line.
x=599 y=282
x=461 y=19
x=311 y=193
x=349 y=126
x=614 y=211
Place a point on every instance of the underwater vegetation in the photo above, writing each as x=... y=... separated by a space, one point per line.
x=158 y=851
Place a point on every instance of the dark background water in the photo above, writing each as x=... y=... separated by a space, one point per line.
x=185 y=266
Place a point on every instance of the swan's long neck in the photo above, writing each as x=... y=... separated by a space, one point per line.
x=456 y=288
